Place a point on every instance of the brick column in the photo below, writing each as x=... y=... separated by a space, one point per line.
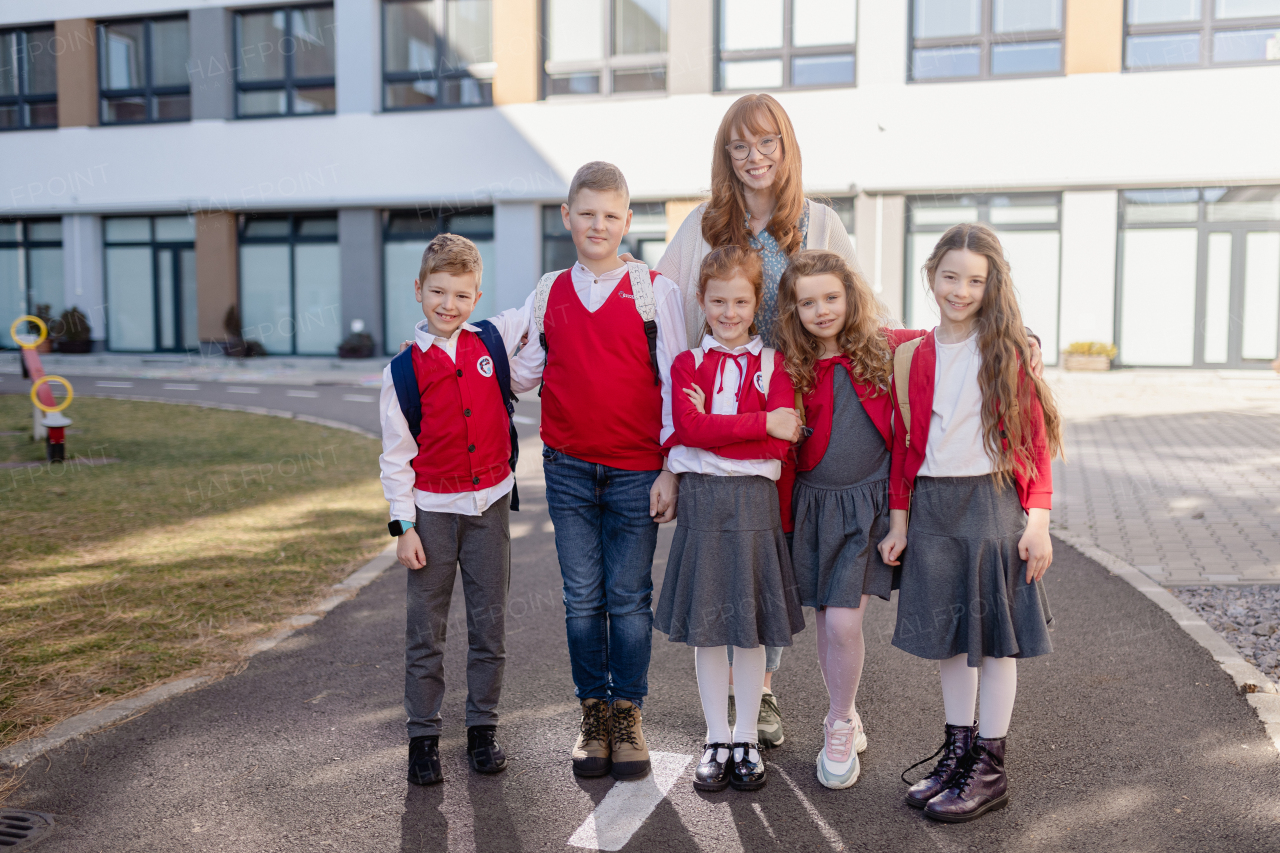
x=517 y=30
x=217 y=274
x=1094 y=36
x=77 y=72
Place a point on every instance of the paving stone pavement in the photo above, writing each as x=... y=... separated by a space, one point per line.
x=1175 y=472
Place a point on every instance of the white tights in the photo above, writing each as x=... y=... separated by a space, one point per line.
x=960 y=693
x=712 y=665
x=841 y=653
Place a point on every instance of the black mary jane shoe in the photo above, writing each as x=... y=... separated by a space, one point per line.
x=713 y=775
x=483 y=751
x=424 y=760
x=747 y=775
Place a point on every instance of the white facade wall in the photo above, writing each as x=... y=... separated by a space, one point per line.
x=1085 y=135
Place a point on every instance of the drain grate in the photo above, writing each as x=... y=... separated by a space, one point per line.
x=19 y=829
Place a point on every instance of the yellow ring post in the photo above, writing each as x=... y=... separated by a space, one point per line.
x=31 y=318
x=35 y=388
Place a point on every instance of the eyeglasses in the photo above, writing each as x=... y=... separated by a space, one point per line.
x=740 y=150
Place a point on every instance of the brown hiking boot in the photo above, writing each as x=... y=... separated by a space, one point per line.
x=630 y=752
x=591 y=751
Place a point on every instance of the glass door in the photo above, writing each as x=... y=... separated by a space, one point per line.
x=1240 y=296
x=176 y=328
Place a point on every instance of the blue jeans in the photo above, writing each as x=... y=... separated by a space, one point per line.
x=605 y=540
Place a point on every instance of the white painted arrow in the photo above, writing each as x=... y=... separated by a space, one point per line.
x=628 y=804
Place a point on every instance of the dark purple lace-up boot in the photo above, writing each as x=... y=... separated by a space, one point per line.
x=979 y=786
x=957 y=743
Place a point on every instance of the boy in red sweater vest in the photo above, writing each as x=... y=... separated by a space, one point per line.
x=610 y=332
x=449 y=486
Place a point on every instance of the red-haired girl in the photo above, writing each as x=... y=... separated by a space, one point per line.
x=729 y=582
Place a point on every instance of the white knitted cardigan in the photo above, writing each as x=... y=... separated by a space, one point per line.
x=683 y=257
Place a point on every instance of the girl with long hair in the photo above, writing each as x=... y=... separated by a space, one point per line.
x=757 y=203
x=838 y=353
x=729 y=581
x=973 y=465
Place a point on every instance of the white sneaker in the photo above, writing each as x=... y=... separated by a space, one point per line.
x=838 y=765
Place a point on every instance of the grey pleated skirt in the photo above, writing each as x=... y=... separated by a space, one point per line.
x=834 y=547
x=729 y=580
x=964 y=588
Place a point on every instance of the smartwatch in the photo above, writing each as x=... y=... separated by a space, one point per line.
x=399 y=527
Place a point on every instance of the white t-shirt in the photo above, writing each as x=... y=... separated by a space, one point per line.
x=955 y=446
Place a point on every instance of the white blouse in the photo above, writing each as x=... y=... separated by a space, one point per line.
x=955 y=446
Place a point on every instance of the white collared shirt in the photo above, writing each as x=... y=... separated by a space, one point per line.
x=955 y=447
x=399 y=447
x=593 y=290
x=724 y=401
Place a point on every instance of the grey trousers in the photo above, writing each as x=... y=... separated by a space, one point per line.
x=481 y=547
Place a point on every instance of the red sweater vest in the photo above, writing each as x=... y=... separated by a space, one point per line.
x=464 y=445
x=599 y=401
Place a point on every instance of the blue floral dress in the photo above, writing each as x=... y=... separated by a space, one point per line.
x=775 y=263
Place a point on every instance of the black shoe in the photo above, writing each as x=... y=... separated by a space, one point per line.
x=483 y=751
x=713 y=775
x=747 y=775
x=956 y=743
x=424 y=760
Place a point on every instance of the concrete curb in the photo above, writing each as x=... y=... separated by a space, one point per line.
x=89 y=722
x=1262 y=694
x=253 y=410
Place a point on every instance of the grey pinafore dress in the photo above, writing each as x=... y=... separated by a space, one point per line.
x=841 y=510
x=729 y=579
x=964 y=588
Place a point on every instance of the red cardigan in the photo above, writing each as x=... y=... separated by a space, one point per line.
x=740 y=436
x=819 y=404
x=1037 y=493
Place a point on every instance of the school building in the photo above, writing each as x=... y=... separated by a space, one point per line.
x=163 y=161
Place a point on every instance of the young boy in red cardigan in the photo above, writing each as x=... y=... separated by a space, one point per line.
x=610 y=331
x=449 y=482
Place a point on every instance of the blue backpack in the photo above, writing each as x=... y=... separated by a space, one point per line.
x=406 y=383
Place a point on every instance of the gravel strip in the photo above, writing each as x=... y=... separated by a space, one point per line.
x=1247 y=616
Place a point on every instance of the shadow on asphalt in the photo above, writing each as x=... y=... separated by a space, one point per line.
x=1128 y=737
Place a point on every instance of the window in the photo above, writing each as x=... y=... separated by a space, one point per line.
x=286 y=62
x=405 y=235
x=785 y=44
x=30 y=269
x=151 y=283
x=290 y=290
x=28 y=79
x=646 y=240
x=1190 y=33
x=437 y=53
x=142 y=71
x=602 y=47
x=1028 y=227
x=1200 y=277
x=979 y=39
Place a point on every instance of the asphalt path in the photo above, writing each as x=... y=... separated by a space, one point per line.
x=1128 y=737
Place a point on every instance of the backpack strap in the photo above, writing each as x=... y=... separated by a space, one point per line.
x=540 y=296
x=647 y=307
x=901 y=379
x=766 y=367
x=492 y=340
x=407 y=392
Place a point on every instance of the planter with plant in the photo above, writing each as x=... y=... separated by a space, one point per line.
x=357 y=345
x=234 y=345
x=74 y=331
x=1088 y=355
x=45 y=313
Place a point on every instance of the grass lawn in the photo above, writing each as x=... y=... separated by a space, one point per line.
x=211 y=527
